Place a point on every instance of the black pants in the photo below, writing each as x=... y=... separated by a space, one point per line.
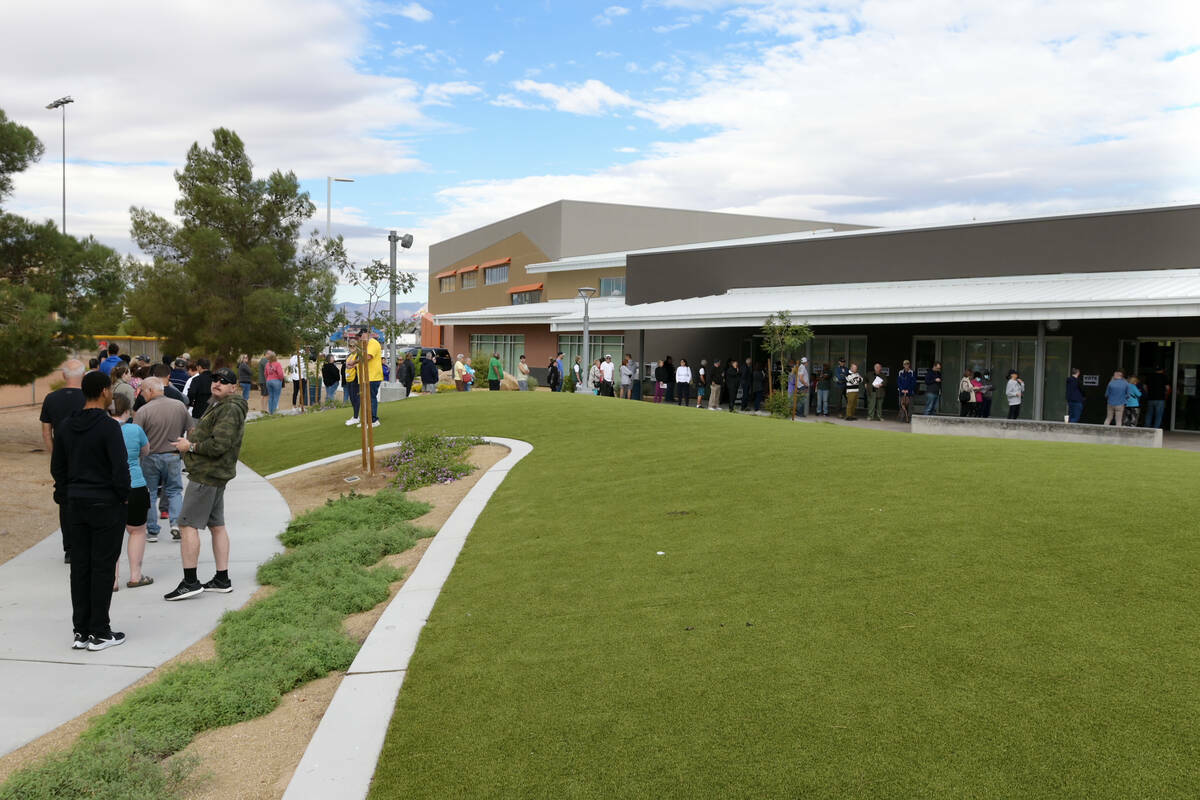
x=606 y=389
x=731 y=395
x=97 y=532
x=299 y=386
x=64 y=525
x=494 y=386
x=1014 y=412
x=683 y=392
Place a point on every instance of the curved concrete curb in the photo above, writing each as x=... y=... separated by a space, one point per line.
x=340 y=760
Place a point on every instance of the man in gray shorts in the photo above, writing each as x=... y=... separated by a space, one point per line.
x=210 y=457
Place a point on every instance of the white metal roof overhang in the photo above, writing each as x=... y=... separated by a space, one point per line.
x=526 y=313
x=1104 y=295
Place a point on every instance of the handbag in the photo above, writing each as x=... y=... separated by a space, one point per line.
x=964 y=397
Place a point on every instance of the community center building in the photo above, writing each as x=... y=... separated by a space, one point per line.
x=1098 y=291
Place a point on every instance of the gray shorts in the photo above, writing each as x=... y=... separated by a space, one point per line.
x=203 y=506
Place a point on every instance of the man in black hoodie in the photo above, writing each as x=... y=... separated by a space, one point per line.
x=91 y=473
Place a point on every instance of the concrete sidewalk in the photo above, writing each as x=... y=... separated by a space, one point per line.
x=44 y=683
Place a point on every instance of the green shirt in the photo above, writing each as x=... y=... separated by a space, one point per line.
x=495 y=370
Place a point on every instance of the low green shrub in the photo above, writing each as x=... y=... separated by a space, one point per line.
x=426 y=460
x=778 y=404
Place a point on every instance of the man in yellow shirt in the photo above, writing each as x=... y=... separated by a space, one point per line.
x=374 y=364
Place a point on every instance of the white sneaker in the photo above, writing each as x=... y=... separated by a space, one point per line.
x=351 y=421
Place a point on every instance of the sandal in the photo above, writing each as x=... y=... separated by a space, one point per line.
x=145 y=581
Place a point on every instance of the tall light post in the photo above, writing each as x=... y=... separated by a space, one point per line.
x=62 y=103
x=586 y=293
x=329 y=198
x=405 y=241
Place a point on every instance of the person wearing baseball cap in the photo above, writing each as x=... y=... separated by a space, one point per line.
x=210 y=453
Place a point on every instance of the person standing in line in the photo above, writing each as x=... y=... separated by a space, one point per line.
x=1075 y=396
x=1132 y=404
x=823 y=387
x=838 y=400
x=701 y=383
x=933 y=388
x=660 y=381
x=966 y=395
x=669 y=371
x=137 y=507
x=330 y=377
x=595 y=377
x=263 y=404
x=211 y=458
x=57 y=406
x=558 y=362
x=607 y=368
x=758 y=385
x=295 y=373
x=121 y=387
x=853 y=385
x=200 y=389
x=163 y=420
x=429 y=373
x=111 y=360
x=91 y=474
x=459 y=371
x=683 y=383
x=577 y=372
x=906 y=387
x=627 y=372
x=1014 y=390
x=553 y=375
x=373 y=356
x=273 y=375
x=875 y=394
x=245 y=375
x=495 y=373
x=1114 y=398
x=635 y=382
x=733 y=378
x=803 y=384
x=351 y=387
x=179 y=376
x=746 y=380
x=985 y=392
x=1158 y=389
x=716 y=385
x=406 y=373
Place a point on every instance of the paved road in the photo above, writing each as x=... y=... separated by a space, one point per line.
x=44 y=683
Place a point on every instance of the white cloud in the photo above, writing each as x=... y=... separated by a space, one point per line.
x=441 y=94
x=607 y=54
x=507 y=100
x=609 y=14
x=592 y=97
x=679 y=24
x=626 y=149
x=493 y=58
x=416 y=12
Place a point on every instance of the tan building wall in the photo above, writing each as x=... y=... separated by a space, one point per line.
x=517 y=247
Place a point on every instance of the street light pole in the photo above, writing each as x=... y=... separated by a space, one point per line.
x=586 y=293
x=62 y=103
x=405 y=241
x=329 y=198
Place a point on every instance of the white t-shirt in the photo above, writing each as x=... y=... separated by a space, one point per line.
x=606 y=369
x=683 y=374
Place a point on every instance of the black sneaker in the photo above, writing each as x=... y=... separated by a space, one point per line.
x=111 y=639
x=175 y=534
x=218 y=585
x=184 y=590
x=80 y=643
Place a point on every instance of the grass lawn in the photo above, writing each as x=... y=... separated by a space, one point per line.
x=839 y=612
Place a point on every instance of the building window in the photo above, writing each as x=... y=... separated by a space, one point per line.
x=521 y=298
x=495 y=275
x=509 y=346
x=612 y=287
x=446 y=284
x=572 y=345
x=470 y=279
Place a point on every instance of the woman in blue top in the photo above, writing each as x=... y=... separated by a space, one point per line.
x=136 y=446
x=1132 y=405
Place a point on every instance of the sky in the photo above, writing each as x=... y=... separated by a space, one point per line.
x=451 y=115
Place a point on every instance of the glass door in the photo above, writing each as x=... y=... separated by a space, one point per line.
x=1187 y=401
x=1004 y=358
x=952 y=370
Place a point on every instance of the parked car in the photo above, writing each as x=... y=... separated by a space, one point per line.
x=441 y=356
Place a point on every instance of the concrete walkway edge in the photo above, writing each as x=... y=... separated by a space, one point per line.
x=341 y=757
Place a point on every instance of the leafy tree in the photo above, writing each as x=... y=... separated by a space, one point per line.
x=54 y=289
x=781 y=336
x=229 y=279
x=374 y=281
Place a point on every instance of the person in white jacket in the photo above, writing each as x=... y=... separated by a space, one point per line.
x=1014 y=390
x=683 y=383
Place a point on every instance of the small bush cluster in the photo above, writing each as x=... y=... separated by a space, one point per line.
x=426 y=460
x=778 y=404
x=263 y=651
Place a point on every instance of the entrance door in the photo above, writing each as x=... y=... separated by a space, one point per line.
x=1187 y=401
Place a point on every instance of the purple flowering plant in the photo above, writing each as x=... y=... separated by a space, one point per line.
x=425 y=460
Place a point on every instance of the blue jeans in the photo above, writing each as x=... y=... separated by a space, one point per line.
x=163 y=470
x=246 y=392
x=931 y=403
x=1074 y=411
x=823 y=402
x=274 y=389
x=1154 y=413
x=802 y=404
x=351 y=388
x=375 y=400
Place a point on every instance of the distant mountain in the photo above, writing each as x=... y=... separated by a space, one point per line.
x=356 y=311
